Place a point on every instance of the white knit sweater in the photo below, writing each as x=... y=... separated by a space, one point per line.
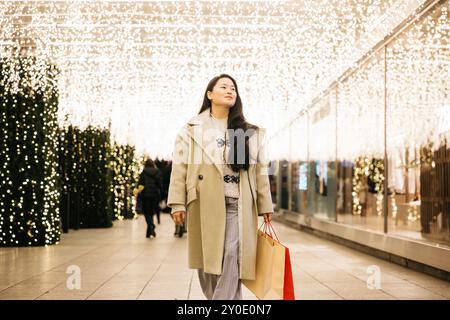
x=231 y=188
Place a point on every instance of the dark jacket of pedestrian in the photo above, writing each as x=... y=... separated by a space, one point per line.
x=151 y=179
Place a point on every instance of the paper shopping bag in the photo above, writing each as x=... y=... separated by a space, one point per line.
x=273 y=279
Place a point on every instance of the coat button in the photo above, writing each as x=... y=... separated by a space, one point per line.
x=200 y=177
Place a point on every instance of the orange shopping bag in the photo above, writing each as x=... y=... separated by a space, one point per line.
x=273 y=268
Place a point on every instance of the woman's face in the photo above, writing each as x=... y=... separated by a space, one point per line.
x=223 y=93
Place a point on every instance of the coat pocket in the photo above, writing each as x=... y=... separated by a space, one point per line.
x=191 y=195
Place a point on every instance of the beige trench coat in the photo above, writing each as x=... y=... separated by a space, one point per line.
x=196 y=184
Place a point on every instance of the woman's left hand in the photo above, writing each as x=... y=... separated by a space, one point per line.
x=268 y=217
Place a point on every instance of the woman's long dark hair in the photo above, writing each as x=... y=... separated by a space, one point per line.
x=236 y=120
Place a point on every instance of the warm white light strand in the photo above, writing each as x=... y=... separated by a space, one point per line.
x=141 y=67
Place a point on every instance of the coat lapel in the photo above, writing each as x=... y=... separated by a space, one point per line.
x=201 y=133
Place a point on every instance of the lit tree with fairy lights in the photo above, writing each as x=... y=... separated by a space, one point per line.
x=29 y=194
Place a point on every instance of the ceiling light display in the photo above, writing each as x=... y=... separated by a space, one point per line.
x=409 y=76
x=143 y=65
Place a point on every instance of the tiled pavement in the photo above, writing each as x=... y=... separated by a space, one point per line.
x=120 y=263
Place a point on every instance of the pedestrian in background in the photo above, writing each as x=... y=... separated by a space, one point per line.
x=150 y=185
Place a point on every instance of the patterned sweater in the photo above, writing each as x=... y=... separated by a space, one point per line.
x=230 y=178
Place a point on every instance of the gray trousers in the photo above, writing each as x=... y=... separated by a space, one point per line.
x=226 y=286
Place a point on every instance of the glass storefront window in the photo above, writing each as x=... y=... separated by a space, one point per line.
x=397 y=102
x=299 y=165
x=279 y=149
x=418 y=126
x=284 y=185
x=273 y=183
x=321 y=182
x=360 y=146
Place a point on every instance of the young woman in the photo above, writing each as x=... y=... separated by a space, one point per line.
x=219 y=182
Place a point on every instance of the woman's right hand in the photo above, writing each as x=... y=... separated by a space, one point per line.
x=178 y=217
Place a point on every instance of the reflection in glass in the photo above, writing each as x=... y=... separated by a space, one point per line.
x=360 y=146
x=321 y=172
x=397 y=101
x=418 y=89
x=284 y=173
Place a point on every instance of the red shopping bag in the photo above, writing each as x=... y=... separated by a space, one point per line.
x=273 y=268
x=288 y=290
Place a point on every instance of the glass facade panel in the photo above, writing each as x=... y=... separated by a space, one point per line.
x=273 y=183
x=332 y=158
x=279 y=147
x=321 y=170
x=283 y=191
x=360 y=146
x=418 y=114
x=299 y=165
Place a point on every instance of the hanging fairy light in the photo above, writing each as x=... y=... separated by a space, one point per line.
x=141 y=67
x=417 y=69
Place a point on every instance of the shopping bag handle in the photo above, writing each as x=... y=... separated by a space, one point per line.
x=272 y=230
x=269 y=230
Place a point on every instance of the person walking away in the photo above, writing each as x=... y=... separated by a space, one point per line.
x=151 y=187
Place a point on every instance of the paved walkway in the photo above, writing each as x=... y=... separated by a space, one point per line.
x=120 y=263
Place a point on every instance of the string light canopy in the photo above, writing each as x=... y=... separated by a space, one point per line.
x=409 y=75
x=141 y=67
